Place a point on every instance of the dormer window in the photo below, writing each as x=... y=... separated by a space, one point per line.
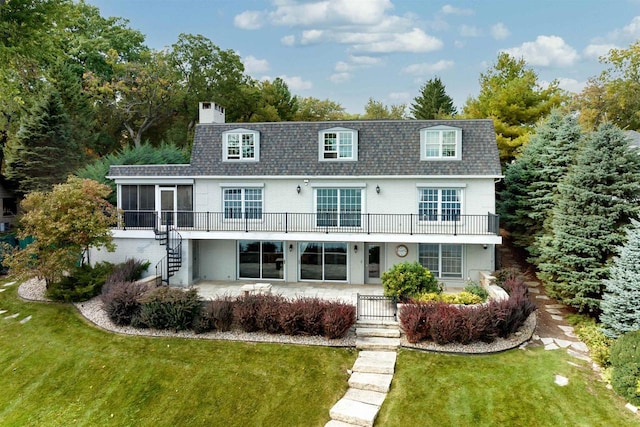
x=441 y=143
x=241 y=145
x=338 y=144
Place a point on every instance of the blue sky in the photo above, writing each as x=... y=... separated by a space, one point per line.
x=351 y=50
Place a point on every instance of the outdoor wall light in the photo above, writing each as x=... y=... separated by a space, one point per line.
x=378 y=189
x=484 y=246
x=298 y=189
x=290 y=247
x=355 y=248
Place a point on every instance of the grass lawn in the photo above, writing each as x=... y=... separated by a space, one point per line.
x=56 y=370
x=515 y=388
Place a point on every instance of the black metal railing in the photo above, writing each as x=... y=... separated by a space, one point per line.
x=367 y=223
x=171 y=263
x=376 y=307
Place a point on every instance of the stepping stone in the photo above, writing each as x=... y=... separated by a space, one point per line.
x=3 y=311
x=378 y=332
x=9 y=284
x=632 y=408
x=3 y=289
x=562 y=343
x=552 y=311
x=532 y=284
x=551 y=346
x=336 y=423
x=13 y=316
x=534 y=290
x=575 y=365
x=377 y=343
x=561 y=381
x=365 y=396
x=546 y=341
x=542 y=297
x=373 y=366
x=354 y=412
x=556 y=317
x=580 y=346
x=566 y=328
x=554 y=306
x=577 y=355
x=389 y=356
x=25 y=320
x=374 y=382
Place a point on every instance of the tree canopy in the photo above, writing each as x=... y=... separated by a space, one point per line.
x=433 y=102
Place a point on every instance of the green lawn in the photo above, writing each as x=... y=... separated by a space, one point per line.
x=58 y=370
x=515 y=388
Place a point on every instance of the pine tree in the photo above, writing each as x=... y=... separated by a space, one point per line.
x=621 y=300
x=42 y=153
x=596 y=200
x=433 y=102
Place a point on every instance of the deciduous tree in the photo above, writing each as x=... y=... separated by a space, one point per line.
x=377 y=110
x=63 y=223
x=313 y=109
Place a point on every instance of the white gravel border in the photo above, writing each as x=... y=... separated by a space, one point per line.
x=93 y=311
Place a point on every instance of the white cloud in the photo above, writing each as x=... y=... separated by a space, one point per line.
x=470 y=31
x=499 y=31
x=425 y=68
x=321 y=12
x=447 y=9
x=249 y=20
x=459 y=44
x=343 y=67
x=312 y=36
x=571 y=85
x=289 y=40
x=546 y=51
x=253 y=65
x=365 y=60
x=402 y=97
x=296 y=83
x=414 y=41
x=595 y=51
x=340 y=77
x=629 y=32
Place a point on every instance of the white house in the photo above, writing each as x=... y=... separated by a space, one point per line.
x=337 y=201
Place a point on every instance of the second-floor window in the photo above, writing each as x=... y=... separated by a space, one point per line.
x=441 y=143
x=338 y=144
x=439 y=204
x=241 y=145
x=338 y=207
x=241 y=203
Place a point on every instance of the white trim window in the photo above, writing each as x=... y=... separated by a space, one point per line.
x=338 y=207
x=338 y=144
x=241 y=145
x=242 y=203
x=443 y=260
x=441 y=143
x=439 y=204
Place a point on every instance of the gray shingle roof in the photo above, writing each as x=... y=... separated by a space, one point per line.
x=385 y=147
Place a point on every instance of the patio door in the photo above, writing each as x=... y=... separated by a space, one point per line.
x=167 y=206
x=374 y=262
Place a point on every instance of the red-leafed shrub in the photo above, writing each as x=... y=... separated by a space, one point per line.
x=337 y=319
x=292 y=317
x=413 y=318
x=122 y=300
x=268 y=313
x=314 y=309
x=216 y=314
x=245 y=310
x=444 y=324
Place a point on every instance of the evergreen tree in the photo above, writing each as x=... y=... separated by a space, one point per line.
x=42 y=153
x=531 y=181
x=433 y=102
x=621 y=299
x=596 y=199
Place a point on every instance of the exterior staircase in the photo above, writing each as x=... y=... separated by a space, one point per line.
x=371 y=375
x=172 y=262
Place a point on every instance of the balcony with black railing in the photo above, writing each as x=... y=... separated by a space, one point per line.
x=327 y=222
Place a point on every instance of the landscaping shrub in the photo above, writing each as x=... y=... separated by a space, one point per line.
x=413 y=318
x=84 y=283
x=168 y=308
x=244 y=311
x=409 y=279
x=337 y=319
x=511 y=313
x=215 y=314
x=625 y=364
x=128 y=271
x=292 y=319
x=476 y=289
x=592 y=335
x=505 y=274
x=121 y=301
x=444 y=324
x=464 y=298
x=268 y=313
x=314 y=309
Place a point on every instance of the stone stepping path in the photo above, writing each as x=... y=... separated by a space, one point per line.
x=3 y=289
x=370 y=379
x=13 y=316
x=9 y=284
x=25 y=320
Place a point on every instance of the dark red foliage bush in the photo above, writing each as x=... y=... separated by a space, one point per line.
x=245 y=310
x=337 y=319
x=216 y=314
x=292 y=317
x=314 y=309
x=413 y=318
x=268 y=313
x=122 y=300
x=444 y=324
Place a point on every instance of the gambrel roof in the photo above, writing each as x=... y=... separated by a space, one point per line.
x=385 y=148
